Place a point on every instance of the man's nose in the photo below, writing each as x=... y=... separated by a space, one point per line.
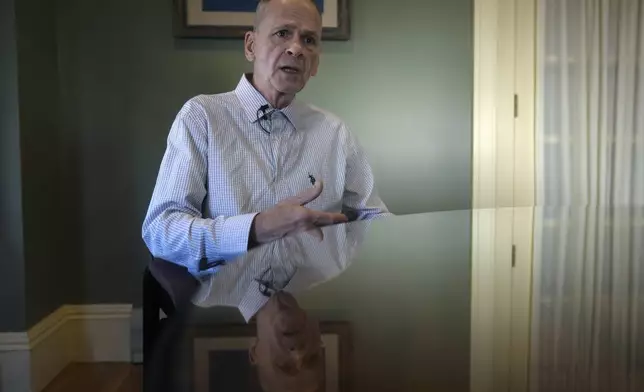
x=294 y=48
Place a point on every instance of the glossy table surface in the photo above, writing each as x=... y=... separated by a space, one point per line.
x=521 y=299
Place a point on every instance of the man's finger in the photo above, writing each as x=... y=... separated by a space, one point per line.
x=305 y=197
x=339 y=218
x=328 y=218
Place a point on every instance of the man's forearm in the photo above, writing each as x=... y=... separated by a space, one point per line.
x=184 y=239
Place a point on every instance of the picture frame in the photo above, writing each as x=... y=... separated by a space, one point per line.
x=233 y=18
x=233 y=342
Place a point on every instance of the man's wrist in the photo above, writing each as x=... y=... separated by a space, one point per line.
x=252 y=235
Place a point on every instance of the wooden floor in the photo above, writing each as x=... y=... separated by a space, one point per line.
x=98 y=377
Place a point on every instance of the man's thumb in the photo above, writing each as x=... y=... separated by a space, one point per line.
x=306 y=196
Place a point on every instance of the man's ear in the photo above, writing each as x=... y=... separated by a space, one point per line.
x=252 y=353
x=249 y=45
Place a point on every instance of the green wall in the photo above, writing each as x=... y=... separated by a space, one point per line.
x=12 y=292
x=403 y=83
x=39 y=266
x=50 y=266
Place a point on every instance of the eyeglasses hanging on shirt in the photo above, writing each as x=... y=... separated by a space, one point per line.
x=264 y=115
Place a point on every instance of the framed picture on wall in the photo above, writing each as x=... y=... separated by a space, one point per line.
x=220 y=359
x=233 y=18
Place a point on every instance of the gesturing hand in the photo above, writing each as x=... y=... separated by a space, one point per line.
x=289 y=216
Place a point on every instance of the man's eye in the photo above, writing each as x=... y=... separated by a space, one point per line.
x=281 y=33
x=310 y=41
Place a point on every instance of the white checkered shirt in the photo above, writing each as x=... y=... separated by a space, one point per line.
x=221 y=168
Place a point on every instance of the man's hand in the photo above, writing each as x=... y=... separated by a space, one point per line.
x=289 y=216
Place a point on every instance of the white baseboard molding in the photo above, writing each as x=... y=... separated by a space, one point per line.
x=73 y=333
x=14 y=371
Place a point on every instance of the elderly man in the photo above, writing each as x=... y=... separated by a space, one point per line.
x=253 y=165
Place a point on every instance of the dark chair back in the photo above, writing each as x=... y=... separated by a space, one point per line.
x=166 y=287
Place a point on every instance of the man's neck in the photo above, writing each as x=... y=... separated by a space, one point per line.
x=275 y=98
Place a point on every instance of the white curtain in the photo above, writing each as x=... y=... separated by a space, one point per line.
x=590 y=103
x=588 y=301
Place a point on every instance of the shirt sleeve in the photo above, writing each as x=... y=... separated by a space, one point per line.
x=174 y=228
x=360 y=199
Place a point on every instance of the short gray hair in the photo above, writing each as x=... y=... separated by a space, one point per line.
x=259 y=11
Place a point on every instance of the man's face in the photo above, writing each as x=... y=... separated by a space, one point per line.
x=288 y=351
x=285 y=46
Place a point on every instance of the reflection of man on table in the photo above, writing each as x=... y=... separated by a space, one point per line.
x=246 y=167
x=287 y=351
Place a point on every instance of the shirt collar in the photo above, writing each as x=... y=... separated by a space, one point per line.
x=252 y=100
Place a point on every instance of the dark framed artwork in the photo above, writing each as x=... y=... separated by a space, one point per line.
x=233 y=18
x=220 y=358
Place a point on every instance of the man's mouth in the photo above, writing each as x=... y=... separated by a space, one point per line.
x=290 y=70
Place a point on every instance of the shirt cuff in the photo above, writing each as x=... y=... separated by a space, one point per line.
x=234 y=235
